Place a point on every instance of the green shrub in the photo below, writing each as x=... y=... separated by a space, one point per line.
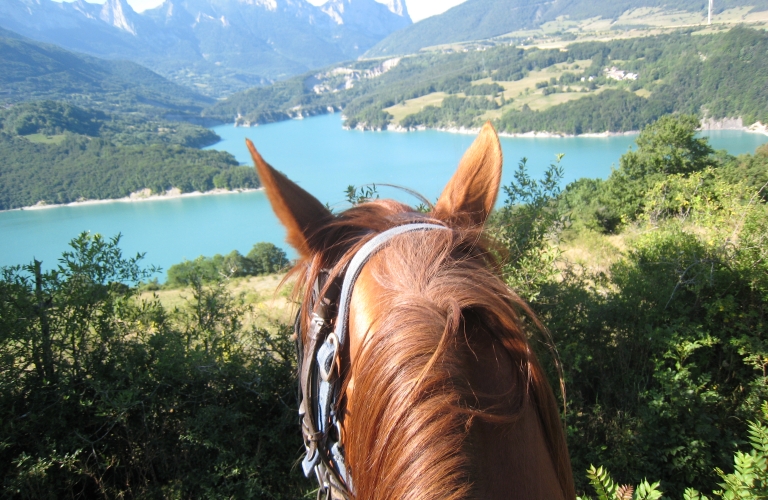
x=526 y=225
x=108 y=396
x=749 y=481
x=664 y=353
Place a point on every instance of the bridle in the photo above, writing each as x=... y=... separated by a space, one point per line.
x=319 y=377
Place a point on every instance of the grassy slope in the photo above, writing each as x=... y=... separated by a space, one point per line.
x=269 y=302
x=520 y=93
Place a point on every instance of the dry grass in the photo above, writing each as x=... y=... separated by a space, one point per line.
x=654 y=16
x=513 y=89
x=538 y=101
x=641 y=22
x=411 y=106
x=267 y=304
x=594 y=252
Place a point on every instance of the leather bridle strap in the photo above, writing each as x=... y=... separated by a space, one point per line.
x=327 y=357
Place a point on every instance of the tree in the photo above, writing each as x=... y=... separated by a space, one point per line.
x=526 y=226
x=666 y=147
x=266 y=258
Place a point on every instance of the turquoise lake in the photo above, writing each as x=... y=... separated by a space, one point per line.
x=320 y=156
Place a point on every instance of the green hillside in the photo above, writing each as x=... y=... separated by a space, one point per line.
x=482 y=19
x=31 y=70
x=619 y=85
x=683 y=74
x=471 y=20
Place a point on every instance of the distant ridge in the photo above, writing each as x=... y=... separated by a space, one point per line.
x=471 y=20
x=31 y=70
x=481 y=19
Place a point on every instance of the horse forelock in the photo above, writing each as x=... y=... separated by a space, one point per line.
x=408 y=421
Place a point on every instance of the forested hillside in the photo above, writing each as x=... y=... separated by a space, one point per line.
x=713 y=77
x=31 y=70
x=612 y=86
x=58 y=153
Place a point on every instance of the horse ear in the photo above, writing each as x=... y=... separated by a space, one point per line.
x=301 y=213
x=473 y=188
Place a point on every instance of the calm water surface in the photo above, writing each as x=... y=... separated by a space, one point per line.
x=324 y=159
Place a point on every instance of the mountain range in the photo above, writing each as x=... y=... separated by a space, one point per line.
x=214 y=46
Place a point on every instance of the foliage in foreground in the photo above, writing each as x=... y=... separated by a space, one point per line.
x=107 y=396
x=749 y=481
x=665 y=350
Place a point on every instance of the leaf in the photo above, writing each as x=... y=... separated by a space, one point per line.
x=647 y=491
x=602 y=483
x=691 y=494
x=625 y=492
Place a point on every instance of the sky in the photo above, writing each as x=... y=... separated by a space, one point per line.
x=418 y=9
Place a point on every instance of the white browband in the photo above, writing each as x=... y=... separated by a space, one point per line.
x=356 y=266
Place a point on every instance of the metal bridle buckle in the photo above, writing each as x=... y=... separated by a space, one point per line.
x=327 y=369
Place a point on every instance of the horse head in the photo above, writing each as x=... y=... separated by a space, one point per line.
x=434 y=389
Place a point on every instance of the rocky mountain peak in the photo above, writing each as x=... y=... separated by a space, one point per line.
x=374 y=15
x=215 y=45
x=118 y=14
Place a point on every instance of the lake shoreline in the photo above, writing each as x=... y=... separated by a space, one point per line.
x=706 y=125
x=138 y=196
x=328 y=161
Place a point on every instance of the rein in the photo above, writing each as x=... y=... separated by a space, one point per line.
x=319 y=382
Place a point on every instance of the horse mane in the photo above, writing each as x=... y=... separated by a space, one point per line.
x=410 y=432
